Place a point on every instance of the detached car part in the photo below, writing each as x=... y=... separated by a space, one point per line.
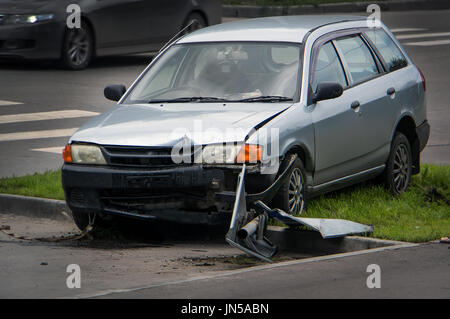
x=247 y=227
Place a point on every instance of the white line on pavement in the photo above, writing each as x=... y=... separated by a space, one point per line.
x=422 y=35
x=398 y=30
x=3 y=102
x=428 y=43
x=56 y=150
x=54 y=115
x=37 y=134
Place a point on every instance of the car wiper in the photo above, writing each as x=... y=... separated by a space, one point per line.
x=266 y=98
x=189 y=99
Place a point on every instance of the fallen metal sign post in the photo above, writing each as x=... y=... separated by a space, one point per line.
x=247 y=227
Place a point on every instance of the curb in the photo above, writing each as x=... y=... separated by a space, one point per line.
x=34 y=207
x=247 y=11
x=286 y=239
x=312 y=242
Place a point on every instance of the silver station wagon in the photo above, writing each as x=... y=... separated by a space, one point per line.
x=336 y=100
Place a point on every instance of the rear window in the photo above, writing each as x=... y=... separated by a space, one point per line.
x=361 y=64
x=390 y=53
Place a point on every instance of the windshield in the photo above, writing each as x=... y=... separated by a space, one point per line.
x=231 y=71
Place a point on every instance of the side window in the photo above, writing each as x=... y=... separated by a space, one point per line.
x=391 y=54
x=358 y=57
x=328 y=67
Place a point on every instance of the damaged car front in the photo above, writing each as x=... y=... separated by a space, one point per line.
x=177 y=139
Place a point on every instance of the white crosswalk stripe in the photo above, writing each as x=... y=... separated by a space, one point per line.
x=56 y=150
x=3 y=102
x=55 y=115
x=429 y=43
x=422 y=35
x=399 y=30
x=30 y=135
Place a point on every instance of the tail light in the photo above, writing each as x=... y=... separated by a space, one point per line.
x=423 y=80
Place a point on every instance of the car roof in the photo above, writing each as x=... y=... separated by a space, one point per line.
x=280 y=29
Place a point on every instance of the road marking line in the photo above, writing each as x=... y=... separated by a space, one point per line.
x=56 y=150
x=398 y=30
x=422 y=35
x=32 y=135
x=39 y=116
x=428 y=43
x=247 y=270
x=3 y=102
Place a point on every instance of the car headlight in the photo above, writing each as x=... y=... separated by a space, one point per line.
x=230 y=154
x=83 y=154
x=26 y=18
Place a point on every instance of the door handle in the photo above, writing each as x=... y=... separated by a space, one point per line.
x=355 y=105
x=390 y=91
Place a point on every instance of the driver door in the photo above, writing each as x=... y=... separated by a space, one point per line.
x=339 y=133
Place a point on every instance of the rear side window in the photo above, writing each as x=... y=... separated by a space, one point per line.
x=358 y=57
x=391 y=54
x=327 y=67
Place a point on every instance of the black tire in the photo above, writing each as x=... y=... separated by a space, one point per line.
x=83 y=219
x=399 y=165
x=78 y=47
x=199 y=22
x=289 y=192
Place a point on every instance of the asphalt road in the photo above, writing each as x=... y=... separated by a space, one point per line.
x=33 y=142
x=140 y=266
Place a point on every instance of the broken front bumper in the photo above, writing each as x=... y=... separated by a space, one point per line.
x=184 y=194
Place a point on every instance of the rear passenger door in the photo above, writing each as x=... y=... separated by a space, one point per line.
x=373 y=95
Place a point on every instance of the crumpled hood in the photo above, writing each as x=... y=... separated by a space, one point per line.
x=155 y=125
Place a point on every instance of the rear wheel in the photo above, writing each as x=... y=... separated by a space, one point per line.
x=292 y=195
x=398 y=167
x=78 y=47
x=197 y=20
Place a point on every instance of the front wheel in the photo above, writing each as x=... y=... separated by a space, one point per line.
x=83 y=219
x=398 y=167
x=291 y=197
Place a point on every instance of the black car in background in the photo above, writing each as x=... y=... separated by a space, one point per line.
x=37 y=29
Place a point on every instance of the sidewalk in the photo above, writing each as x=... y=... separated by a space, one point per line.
x=246 y=11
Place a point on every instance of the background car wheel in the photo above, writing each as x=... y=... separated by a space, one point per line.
x=78 y=47
x=398 y=167
x=83 y=219
x=199 y=22
x=291 y=196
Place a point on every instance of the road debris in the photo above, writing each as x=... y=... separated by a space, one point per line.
x=247 y=227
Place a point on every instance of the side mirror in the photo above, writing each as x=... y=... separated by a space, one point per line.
x=327 y=91
x=114 y=92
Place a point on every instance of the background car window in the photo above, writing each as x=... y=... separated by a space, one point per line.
x=389 y=51
x=359 y=59
x=328 y=67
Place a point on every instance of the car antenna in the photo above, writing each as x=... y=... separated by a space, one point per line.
x=176 y=35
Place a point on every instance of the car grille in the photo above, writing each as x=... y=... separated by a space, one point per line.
x=139 y=156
